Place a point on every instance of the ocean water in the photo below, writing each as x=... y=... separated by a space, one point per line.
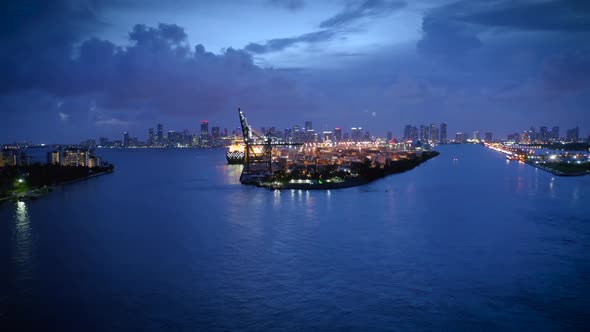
x=171 y=241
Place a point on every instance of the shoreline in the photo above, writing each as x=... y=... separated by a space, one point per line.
x=370 y=175
x=556 y=172
x=37 y=192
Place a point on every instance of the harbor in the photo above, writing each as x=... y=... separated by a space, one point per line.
x=275 y=164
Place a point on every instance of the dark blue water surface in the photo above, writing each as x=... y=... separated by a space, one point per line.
x=172 y=241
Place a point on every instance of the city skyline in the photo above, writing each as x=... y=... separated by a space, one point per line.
x=103 y=67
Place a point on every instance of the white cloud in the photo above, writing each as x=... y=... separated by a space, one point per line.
x=63 y=116
x=112 y=122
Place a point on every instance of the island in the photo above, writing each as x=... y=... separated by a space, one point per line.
x=20 y=179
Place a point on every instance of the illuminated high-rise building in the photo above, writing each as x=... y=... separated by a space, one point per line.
x=543 y=134
x=54 y=157
x=433 y=133
x=338 y=134
x=126 y=139
x=555 y=133
x=573 y=135
x=424 y=133
x=443 y=133
x=204 y=127
x=151 y=137
x=356 y=134
x=160 y=137
x=216 y=134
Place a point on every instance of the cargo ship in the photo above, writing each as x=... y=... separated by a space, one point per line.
x=235 y=153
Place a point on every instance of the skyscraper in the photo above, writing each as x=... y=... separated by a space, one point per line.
x=308 y=126
x=543 y=134
x=215 y=134
x=338 y=134
x=433 y=133
x=423 y=133
x=573 y=135
x=488 y=136
x=126 y=139
x=204 y=127
x=476 y=135
x=160 y=137
x=356 y=134
x=555 y=133
x=389 y=136
x=443 y=133
x=407 y=132
x=151 y=137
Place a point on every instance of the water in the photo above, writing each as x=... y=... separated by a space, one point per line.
x=172 y=241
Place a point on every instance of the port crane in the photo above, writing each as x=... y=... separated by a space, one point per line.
x=258 y=152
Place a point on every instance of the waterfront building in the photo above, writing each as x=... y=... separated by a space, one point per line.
x=356 y=134
x=151 y=137
x=104 y=141
x=443 y=133
x=555 y=133
x=543 y=134
x=54 y=157
x=10 y=157
x=160 y=135
x=338 y=134
x=215 y=134
x=433 y=134
x=488 y=136
x=76 y=157
x=89 y=143
x=126 y=139
x=204 y=127
x=423 y=133
x=407 y=132
x=476 y=135
x=573 y=135
x=460 y=137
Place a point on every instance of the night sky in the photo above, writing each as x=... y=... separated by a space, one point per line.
x=72 y=70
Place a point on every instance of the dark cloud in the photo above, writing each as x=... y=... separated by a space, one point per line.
x=288 y=4
x=447 y=38
x=455 y=28
x=557 y=15
x=568 y=71
x=363 y=9
x=157 y=73
x=280 y=44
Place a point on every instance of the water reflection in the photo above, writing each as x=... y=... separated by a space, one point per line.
x=231 y=173
x=23 y=246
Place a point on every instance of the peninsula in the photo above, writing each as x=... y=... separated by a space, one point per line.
x=272 y=163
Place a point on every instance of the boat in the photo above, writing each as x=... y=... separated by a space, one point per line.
x=235 y=154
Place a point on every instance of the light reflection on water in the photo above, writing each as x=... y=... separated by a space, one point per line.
x=23 y=248
x=464 y=242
